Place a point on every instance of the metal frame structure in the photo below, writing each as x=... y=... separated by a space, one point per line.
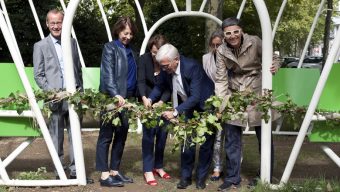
x=311 y=109
x=12 y=46
x=267 y=38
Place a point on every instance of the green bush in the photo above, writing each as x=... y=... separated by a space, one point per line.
x=40 y=174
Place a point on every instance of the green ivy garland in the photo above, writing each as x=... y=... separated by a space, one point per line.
x=183 y=130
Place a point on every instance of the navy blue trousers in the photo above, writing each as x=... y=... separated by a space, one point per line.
x=105 y=139
x=204 y=160
x=153 y=145
x=233 y=150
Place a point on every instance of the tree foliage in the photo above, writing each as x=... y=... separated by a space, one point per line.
x=295 y=25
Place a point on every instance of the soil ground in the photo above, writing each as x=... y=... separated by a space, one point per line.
x=311 y=163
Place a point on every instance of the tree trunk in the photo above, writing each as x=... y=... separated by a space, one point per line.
x=214 y=7
x=327 y=31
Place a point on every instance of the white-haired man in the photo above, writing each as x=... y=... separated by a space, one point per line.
x=190 y=87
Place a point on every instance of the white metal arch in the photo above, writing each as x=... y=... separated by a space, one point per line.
x=174 y=15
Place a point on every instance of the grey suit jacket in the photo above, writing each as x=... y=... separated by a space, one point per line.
x=47 y=71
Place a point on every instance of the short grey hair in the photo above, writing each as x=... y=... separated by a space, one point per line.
x=167 y=51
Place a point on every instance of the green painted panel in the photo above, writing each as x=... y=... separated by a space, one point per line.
x=10 y=82
x=298 y=83
x=330 y=97
x=9 y=79
x=30 y=75
x=91 y=77
x=18 y=126
x=329 y=101
x=323 y=132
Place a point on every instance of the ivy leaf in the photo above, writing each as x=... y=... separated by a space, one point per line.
x=116 y=121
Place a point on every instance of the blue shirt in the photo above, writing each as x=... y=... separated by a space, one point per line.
x=132 y=67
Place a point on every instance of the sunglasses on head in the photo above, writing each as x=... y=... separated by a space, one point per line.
x=230 y=33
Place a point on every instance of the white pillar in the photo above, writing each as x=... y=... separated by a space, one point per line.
x=174 y=5
x=106 y=23
x=188 y=5
x=240 y=11
x=81 y=58
x=278 y=18
x=141 y=16
x=315 y=21
x=203 y=5
x=267 y=57
x=70 y=87
x=36 y=19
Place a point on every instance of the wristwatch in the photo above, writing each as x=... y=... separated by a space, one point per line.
x=175 y=113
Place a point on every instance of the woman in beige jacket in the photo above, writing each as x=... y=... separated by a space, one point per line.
x=241 y=56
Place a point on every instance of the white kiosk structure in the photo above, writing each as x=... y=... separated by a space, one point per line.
x=267 y=49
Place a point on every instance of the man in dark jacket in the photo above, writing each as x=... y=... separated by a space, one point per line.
x=190 y=88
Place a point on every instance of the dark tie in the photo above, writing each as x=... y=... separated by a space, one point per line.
x=59 y=42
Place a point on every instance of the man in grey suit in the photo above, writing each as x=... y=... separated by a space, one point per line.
x=49 y=75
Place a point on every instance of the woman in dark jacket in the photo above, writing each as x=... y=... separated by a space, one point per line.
x=148 y=75
x=118 y=78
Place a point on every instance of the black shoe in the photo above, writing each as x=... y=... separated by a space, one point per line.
x=123 y=178
x=227 y=185
x=183 y=184
x=216 y=178
x=111 y=182
x=88 y=180
x=200 y=184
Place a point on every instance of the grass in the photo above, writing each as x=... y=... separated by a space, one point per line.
x=3 y=189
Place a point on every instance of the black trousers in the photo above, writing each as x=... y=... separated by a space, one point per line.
x=106 y=132
x=204 y=160
x=233 y=150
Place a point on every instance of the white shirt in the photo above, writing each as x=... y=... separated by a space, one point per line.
x=177 y=85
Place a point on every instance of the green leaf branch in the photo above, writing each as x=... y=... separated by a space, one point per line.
x=186 y=132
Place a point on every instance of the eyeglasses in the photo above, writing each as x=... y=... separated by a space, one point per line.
x=228 y=34
x=55 y=23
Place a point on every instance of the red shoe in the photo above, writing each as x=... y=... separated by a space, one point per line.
x=152 y=182
x=165 y=175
